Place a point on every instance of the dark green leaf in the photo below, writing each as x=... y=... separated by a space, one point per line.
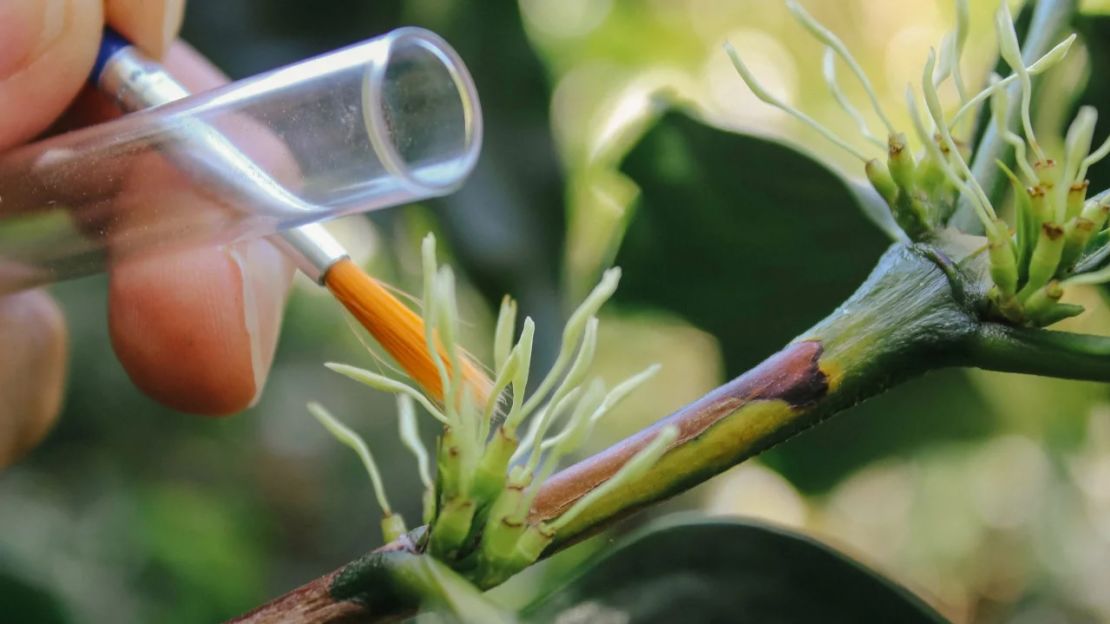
x=20 y=601
x=749 y=239
x=1095 y=30
x=1096 y=36
x=729 y=571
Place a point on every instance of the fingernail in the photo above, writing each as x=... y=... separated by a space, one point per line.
x=27 y=27
x=32 y=370
x=265 y=272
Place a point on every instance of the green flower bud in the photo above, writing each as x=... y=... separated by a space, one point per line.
x=1077 y=233
x=451 y=528
x=901 y=162
x=393 y=526
x=449 y=465
x=1077 y=194
x=1003 y=261
x=1097 y=212
x=1038 y=199
x=503 y=529
x=1044 y=308
x=1046 y=173
x=932 y=179
x=1045 y=260
x=1057 y=313
x=489 y=476
x=879 y=176
x=909 y=211
x=1043 y=298
x=531 y=545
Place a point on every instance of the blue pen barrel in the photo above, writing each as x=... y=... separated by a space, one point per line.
x=386 y=122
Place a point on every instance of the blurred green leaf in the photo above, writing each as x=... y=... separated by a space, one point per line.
x=20 y=601
x=747 y=238
x=1095 y=7
x=199 y=545
x=728 y=571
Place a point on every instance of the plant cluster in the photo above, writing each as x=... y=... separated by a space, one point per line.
x=486 y=473
x=1058 y=234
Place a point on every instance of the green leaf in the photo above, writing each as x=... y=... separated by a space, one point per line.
x=20 y=601
x=728 y=571
x=746 y=238
x=1095 y=31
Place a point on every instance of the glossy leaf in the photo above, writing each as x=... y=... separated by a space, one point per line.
x=728 y=571
x=1095 y=30
x=730 y=226
x=20 y=601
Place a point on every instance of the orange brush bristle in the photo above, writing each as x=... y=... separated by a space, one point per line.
x=398 y=329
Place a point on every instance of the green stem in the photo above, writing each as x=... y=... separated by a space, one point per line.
x=1041 y=352
x=903 y=320
x=1050 y=19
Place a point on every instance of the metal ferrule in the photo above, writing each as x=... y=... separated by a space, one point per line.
x=312 y=248
x=136 y=82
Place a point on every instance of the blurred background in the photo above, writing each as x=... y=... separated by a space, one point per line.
x=987 y=494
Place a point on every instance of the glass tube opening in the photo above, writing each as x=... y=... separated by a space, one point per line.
x=421 y=111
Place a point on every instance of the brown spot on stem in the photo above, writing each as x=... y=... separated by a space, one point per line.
x=1052 y=231
x=792 y=375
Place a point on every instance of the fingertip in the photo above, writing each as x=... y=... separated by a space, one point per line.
x=150 y=24
x=38 y=83
x=177 y=326
x=32 y=370
x=266 y=275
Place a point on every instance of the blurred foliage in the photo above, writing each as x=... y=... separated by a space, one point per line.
x=736 y=241
x=26 y=603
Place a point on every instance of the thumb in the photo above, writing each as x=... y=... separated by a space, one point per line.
x=32 y=370
x=47 y=48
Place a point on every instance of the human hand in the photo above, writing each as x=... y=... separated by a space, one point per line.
x=194 y=329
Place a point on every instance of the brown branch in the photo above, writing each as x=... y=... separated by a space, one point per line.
x=309 y=604
x=315 y=602
x=903 y=320
x=791 y=375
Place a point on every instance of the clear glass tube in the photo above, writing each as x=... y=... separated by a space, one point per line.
x=389 y=121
